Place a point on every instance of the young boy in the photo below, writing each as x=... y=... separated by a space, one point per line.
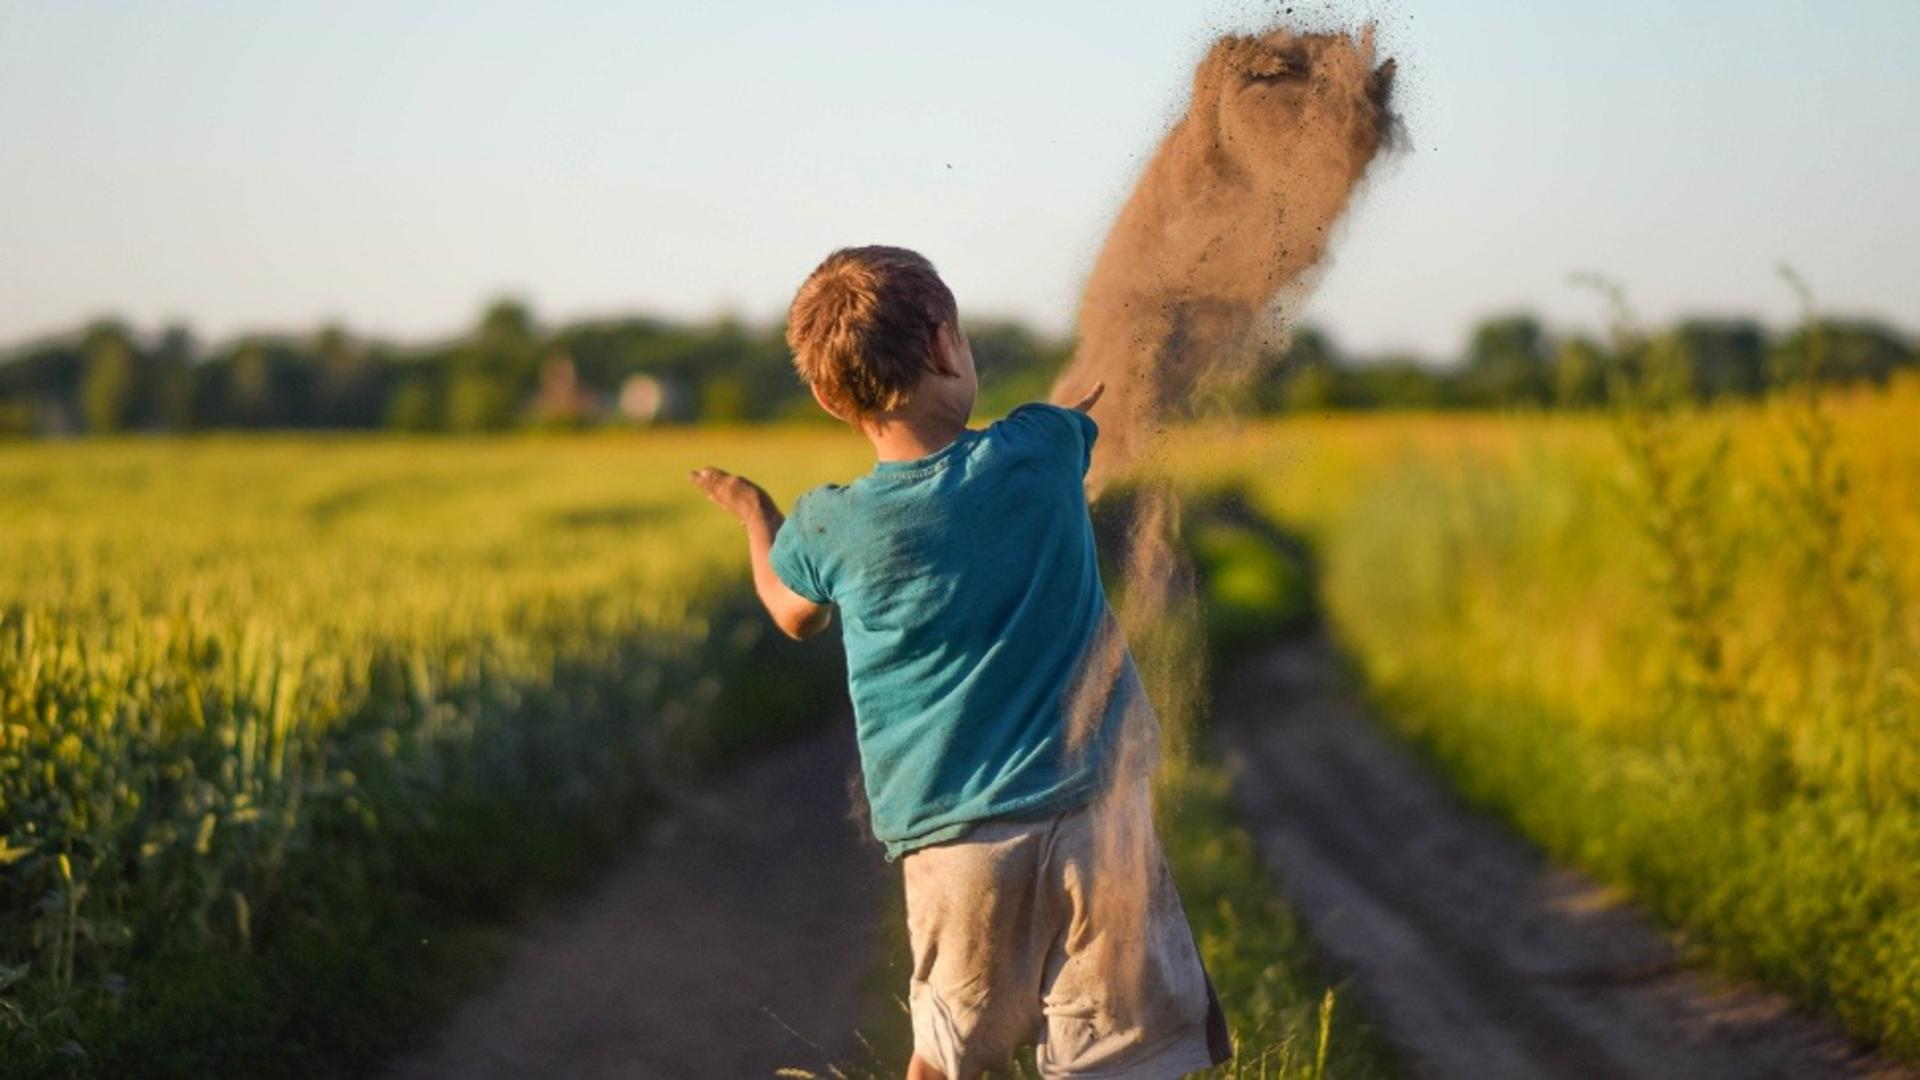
x=1039 y=906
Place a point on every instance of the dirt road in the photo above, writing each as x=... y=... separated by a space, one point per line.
x=736 y=939
x=1477 y=958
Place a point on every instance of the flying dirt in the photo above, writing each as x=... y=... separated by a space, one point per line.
x=1231 y=213
x=1224 y=225
x=1222 y=229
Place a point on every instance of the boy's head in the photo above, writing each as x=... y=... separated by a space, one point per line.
x=875 y=334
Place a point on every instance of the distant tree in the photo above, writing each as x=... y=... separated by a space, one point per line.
x=723 y=400
x=251 y=400
x=1016 y=365
x=173 y=378
x=1579 y=374
x=1506 y=362
x=1724 y=357
x=107 y=394
x=412 y=407
x=17 y=419
x=1301 y=376
x=1397 y=382
x=478 y=401
x=1313 y=388
x=506 y=326
x=1852 y=351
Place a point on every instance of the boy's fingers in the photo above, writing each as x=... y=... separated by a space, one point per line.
x=706 y=479
x=1093 y=395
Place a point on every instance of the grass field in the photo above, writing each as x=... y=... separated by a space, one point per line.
x=294 y=727
x=273 y=706
x=1677 y=648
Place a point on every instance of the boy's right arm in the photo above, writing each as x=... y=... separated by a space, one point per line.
x=796 y=616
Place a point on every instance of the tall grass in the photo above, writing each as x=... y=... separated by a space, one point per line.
x=277 y=716
x=1674 y=645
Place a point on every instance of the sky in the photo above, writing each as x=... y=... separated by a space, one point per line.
x=248 y=166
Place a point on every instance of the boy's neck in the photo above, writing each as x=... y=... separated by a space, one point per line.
x=908 y=438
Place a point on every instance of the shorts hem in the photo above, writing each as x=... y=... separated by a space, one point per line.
x=1189 y=1054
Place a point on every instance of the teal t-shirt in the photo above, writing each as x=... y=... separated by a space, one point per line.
x=968 y=591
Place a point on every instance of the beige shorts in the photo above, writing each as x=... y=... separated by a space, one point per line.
x=1066 y=932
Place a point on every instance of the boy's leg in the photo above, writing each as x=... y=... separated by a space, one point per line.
x=981 y=929
x=918 y=1069
x=1125 y=993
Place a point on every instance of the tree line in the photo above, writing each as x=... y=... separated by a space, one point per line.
x=508 y=371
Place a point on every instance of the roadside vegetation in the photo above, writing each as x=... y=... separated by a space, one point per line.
x=1674 y=642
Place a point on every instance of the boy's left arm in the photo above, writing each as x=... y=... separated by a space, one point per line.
x=796 y=616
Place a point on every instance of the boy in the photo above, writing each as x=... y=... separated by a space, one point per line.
x=1039 y=906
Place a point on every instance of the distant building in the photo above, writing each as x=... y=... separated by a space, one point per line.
x=562 y=400
x=647 y=399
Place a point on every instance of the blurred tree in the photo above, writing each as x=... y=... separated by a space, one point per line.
x=1015 y=364
x=478 y=401
x=341 y=400
x=1725 y=357
x=173 y=360
x=1398 y=382
x=723 y=400
x=1579 y=374
x=506 y=326
x=1506 y=362
x=412 y=407
x=102 y=378
x=250 y=389
x=1852 y=351
x=1300 y=377
x=17 y=419
x=107 y=395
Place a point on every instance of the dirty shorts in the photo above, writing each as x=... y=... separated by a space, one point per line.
x=1063 y=931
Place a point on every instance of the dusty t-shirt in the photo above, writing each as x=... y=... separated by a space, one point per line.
x=969 y=592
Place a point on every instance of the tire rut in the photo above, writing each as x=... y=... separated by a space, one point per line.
x=736 y=939
x=1478 y=958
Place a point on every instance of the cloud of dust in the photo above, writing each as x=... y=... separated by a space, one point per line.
x=1230 y=215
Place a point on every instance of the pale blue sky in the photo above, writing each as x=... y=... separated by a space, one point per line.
x=252 y=165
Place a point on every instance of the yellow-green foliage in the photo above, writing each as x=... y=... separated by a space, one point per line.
x=1288 y=1022
x=259 y=696
x=1678 y=647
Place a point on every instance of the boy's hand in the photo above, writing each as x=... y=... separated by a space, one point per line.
x=1093 y=395
x=737 y=495
x=794 y=614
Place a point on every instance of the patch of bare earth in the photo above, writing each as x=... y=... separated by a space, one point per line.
x=734 y=939
x=1476 y=956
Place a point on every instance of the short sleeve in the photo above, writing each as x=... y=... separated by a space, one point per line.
x=1070 y=432
x=792 y=562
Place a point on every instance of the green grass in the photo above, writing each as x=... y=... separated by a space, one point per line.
x=1288 y=1019
x=291 y=728
x=1676 y=647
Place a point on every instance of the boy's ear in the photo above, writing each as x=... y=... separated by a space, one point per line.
x=941 y=347
x=832 y=410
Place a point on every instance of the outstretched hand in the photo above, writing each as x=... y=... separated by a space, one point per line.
x=1093 y=395
x=737 y=495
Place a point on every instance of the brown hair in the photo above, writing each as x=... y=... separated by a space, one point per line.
x=863 y=325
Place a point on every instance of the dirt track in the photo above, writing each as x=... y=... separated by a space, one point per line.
x=739 y=936
x=1476 y=957
x=735 y=939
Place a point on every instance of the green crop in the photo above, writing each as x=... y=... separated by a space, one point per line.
x=261 y=701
